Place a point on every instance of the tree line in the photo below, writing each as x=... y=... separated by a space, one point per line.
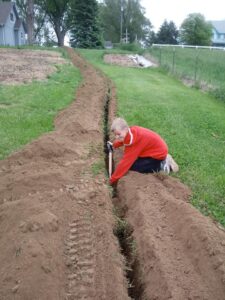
x=89 y=23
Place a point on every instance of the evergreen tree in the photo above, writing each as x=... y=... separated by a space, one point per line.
x=167 y=33
x=195 y=30
x=86 y=31
x=150 y=39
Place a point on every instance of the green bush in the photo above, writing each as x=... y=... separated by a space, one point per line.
x=133 y=47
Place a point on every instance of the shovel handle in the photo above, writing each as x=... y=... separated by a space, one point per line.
x=110 y=164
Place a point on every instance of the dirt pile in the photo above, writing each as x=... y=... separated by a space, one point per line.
x=126 y=60
x=180 y=253
x=56 y=236
x=56 y=220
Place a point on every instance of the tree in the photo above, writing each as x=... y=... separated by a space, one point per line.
x=30 y=21
x=110 y=18
x=150 y=38
x=195 y=30
x=135 y=22
x=167 y=33
x=86 y=31
x=121 y=16
x=59 y=14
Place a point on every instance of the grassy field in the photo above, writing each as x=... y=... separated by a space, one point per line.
x=189 y=120
x=203 y=66
x=27 y=111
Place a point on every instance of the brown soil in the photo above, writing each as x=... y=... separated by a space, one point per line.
x=23 y=66
x=119 y=60
x=123 y=60
x=56 y=221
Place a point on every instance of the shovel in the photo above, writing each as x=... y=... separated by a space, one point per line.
x=110 y=150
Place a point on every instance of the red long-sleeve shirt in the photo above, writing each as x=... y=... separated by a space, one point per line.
x=139 y=142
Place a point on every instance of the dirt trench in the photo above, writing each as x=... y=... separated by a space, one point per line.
x=56 y=220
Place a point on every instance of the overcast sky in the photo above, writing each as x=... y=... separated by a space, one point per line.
x=177 y=10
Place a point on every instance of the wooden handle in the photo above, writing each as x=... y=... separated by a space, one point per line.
x=110 y=164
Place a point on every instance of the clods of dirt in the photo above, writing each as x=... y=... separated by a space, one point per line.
x=23 y=66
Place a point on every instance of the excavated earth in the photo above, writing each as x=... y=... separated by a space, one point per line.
x=23 y=66
x=57 y=220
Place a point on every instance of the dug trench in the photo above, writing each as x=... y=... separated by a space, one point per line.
x=57 y=221
x=122 y=230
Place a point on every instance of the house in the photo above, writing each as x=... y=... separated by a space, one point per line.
x=12 y=28
x=218 y=38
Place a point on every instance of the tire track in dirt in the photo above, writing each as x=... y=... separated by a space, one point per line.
x=80 y=252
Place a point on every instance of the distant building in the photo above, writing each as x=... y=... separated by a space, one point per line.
x=218 y=38
x=12 y=28
x=108 y=45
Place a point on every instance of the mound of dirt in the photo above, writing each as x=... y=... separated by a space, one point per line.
x=23 y=66
x=56 y=223
x=126 y=60
x=180 y=253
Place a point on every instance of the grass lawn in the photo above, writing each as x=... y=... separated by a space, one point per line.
x=27 y=111
x=202 y=67
x=191 y=122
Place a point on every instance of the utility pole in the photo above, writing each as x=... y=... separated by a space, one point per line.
x=126 y=36
x=121 y=21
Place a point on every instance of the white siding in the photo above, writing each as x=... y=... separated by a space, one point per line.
x=21 y=33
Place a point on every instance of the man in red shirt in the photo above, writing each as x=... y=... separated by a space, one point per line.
x=144 y=150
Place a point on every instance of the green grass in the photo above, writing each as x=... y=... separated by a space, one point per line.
x=203 y=66
x=98 y=167
x=191 y=122
x=27 y=111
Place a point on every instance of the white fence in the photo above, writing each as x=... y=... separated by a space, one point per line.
x=189 y=46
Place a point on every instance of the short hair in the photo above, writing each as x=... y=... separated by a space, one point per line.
x=119 y=124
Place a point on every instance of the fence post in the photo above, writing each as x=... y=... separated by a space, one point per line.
x=196 y=65
x=160 y=56
x=173 y=60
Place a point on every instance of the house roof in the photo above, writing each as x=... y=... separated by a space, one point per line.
x=5 y=8
x=219 y=26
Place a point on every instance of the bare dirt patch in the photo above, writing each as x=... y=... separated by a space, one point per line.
x=124 y=60
x=56 y=220
x=22 y=66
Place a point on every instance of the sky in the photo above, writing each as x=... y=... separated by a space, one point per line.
x=177 y=10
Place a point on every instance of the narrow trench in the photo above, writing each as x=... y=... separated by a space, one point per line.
x=123 y=230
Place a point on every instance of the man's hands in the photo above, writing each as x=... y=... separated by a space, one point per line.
x=110 y=146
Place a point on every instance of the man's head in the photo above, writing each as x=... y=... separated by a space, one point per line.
x=119 y=128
